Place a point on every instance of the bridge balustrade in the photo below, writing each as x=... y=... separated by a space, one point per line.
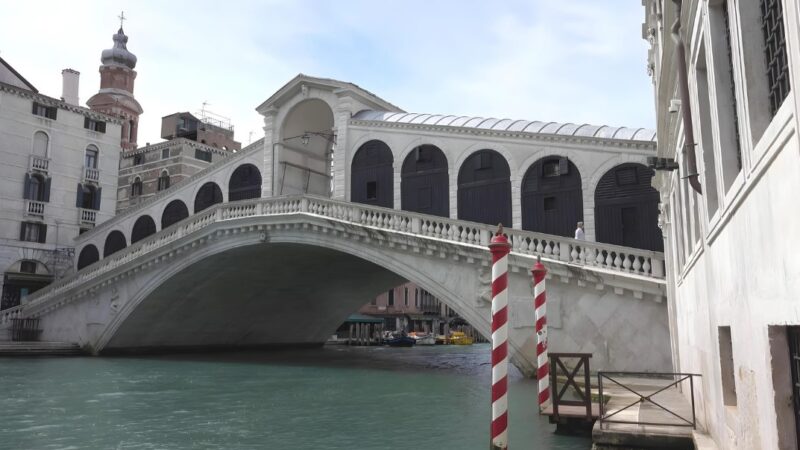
x=597 y=256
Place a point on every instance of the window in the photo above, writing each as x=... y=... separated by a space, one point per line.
x=706 y=141
x=391 y=297
x=405 y=297
x=94 y=125
x=733 y=106
x=40 y=144
x=549 y=203
x=88 y=197
x=372 y=190
x=27 y=266
x=165 y=153
x=37 y=188
x=626 y=176
x=202 y=155
x=138 y=159
x=727 y=369
x=416 y=298
x=136 y=187
x=163 y=181
x=49 y=112
x=33 y=232
x=550 y=169
x=775 y=52
x=91 y=157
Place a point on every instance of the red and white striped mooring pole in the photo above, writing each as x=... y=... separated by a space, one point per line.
x=500 y=249
x=539 y=303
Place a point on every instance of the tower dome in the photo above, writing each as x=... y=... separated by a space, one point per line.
x=119 y=54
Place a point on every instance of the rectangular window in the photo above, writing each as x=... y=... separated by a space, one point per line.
x=550 y=169
x=706 y=139
x=165 y=153
x=405 y=300
x=27 y=266
x=138 y=160
x=416 y=298
x=94 y=125
x=33 y=232
x=372 y=190
x=49 y=112
x=91 y=158
x=391 y=297
x=626 y=176
x=727 y=368
x=202 y=155
x=775 y=52
x=549 y=203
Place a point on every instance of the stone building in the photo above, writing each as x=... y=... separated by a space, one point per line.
x=217 y=133
x=727 y=109
x=409 y=307
x=58 y=178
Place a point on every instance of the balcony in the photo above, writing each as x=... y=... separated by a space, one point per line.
x=34 y=208
x=91 y=174
x=39 y=164
x=87 y=216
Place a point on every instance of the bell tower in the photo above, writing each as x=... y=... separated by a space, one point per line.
x=115 y=96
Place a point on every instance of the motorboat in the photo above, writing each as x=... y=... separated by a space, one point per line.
x=423 y=338
x=400 y=341
x=460 y=338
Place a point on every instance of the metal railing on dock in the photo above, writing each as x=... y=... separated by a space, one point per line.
x=562 y=406
x=640 y=391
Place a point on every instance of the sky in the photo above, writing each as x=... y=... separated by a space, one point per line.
x=580 y=61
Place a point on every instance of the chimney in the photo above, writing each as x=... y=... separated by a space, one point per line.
x=69 y=90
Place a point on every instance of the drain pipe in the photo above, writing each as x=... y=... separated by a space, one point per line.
x=686 y=110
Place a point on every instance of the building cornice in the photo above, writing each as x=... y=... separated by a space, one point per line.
x=50 y=101
x=174 y=142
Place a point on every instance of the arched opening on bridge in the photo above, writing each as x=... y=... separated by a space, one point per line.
x=115 y=241
x=305 y=151
x=143 y=227
x=23 y=277
x=88 y=255
x=209 y=195
x=245 y=183
x=626 y=208
x=175 y=211
x=552 y=199
x=424 y=184
x=484 y=189
x=372 y=175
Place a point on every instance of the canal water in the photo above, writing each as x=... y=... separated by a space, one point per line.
x=329 y=398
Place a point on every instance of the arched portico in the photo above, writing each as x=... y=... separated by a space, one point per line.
x=626 y=208
x=305 y=149
x=424 y=182
x=552 y=198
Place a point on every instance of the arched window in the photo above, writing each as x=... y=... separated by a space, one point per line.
x=372 y=176
x=115 y=241
x=552 y=199
x=41 y=144
x=626 y=208
x=163 y=180
x=91 y=157
x=245 y=183
x=424 y=186
x=143 y=227
x=484 y=189
x=209 y=194
x=175 y=211
x=136 y=187
x=88 y=255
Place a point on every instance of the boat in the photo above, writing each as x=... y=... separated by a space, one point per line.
x=459 y=338
x=423 y=338
x=441 y=339
x=400 y=341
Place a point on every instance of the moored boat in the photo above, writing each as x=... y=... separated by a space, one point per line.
x=400 y=341
x=459 y=338
x=423 y=338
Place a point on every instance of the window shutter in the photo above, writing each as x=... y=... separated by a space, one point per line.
x=563 y=166
x=42 y=233
x=101 y=127
x=79 y=198
x=26 y=192
x=86 y=123
x=46 y=196
x=22 y=229
x=33 y=110
x=52 y=112
x=96 y=199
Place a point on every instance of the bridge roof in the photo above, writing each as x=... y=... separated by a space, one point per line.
x=509 y=125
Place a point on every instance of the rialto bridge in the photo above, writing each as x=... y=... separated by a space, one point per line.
x=347 y=196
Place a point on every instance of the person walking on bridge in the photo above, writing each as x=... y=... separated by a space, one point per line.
x=579 y=234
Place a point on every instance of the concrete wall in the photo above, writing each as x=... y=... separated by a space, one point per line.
x=731 y=252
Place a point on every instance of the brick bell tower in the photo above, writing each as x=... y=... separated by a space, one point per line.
x=115 y=96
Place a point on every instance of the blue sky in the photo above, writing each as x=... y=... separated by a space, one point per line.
x=567 y=61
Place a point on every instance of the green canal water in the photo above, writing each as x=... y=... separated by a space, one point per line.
x=329 y=398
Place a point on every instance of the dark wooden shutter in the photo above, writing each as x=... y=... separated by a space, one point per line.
x=52 y=112
x=42 y=233
x=96 y=199
x=86 y=123
x=33 y=110
x=26 y=191
x=101 y=127
x=46 y=196
x=22 y=228
x=79 y=197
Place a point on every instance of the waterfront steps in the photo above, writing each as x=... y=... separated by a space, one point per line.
x=28 y=348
